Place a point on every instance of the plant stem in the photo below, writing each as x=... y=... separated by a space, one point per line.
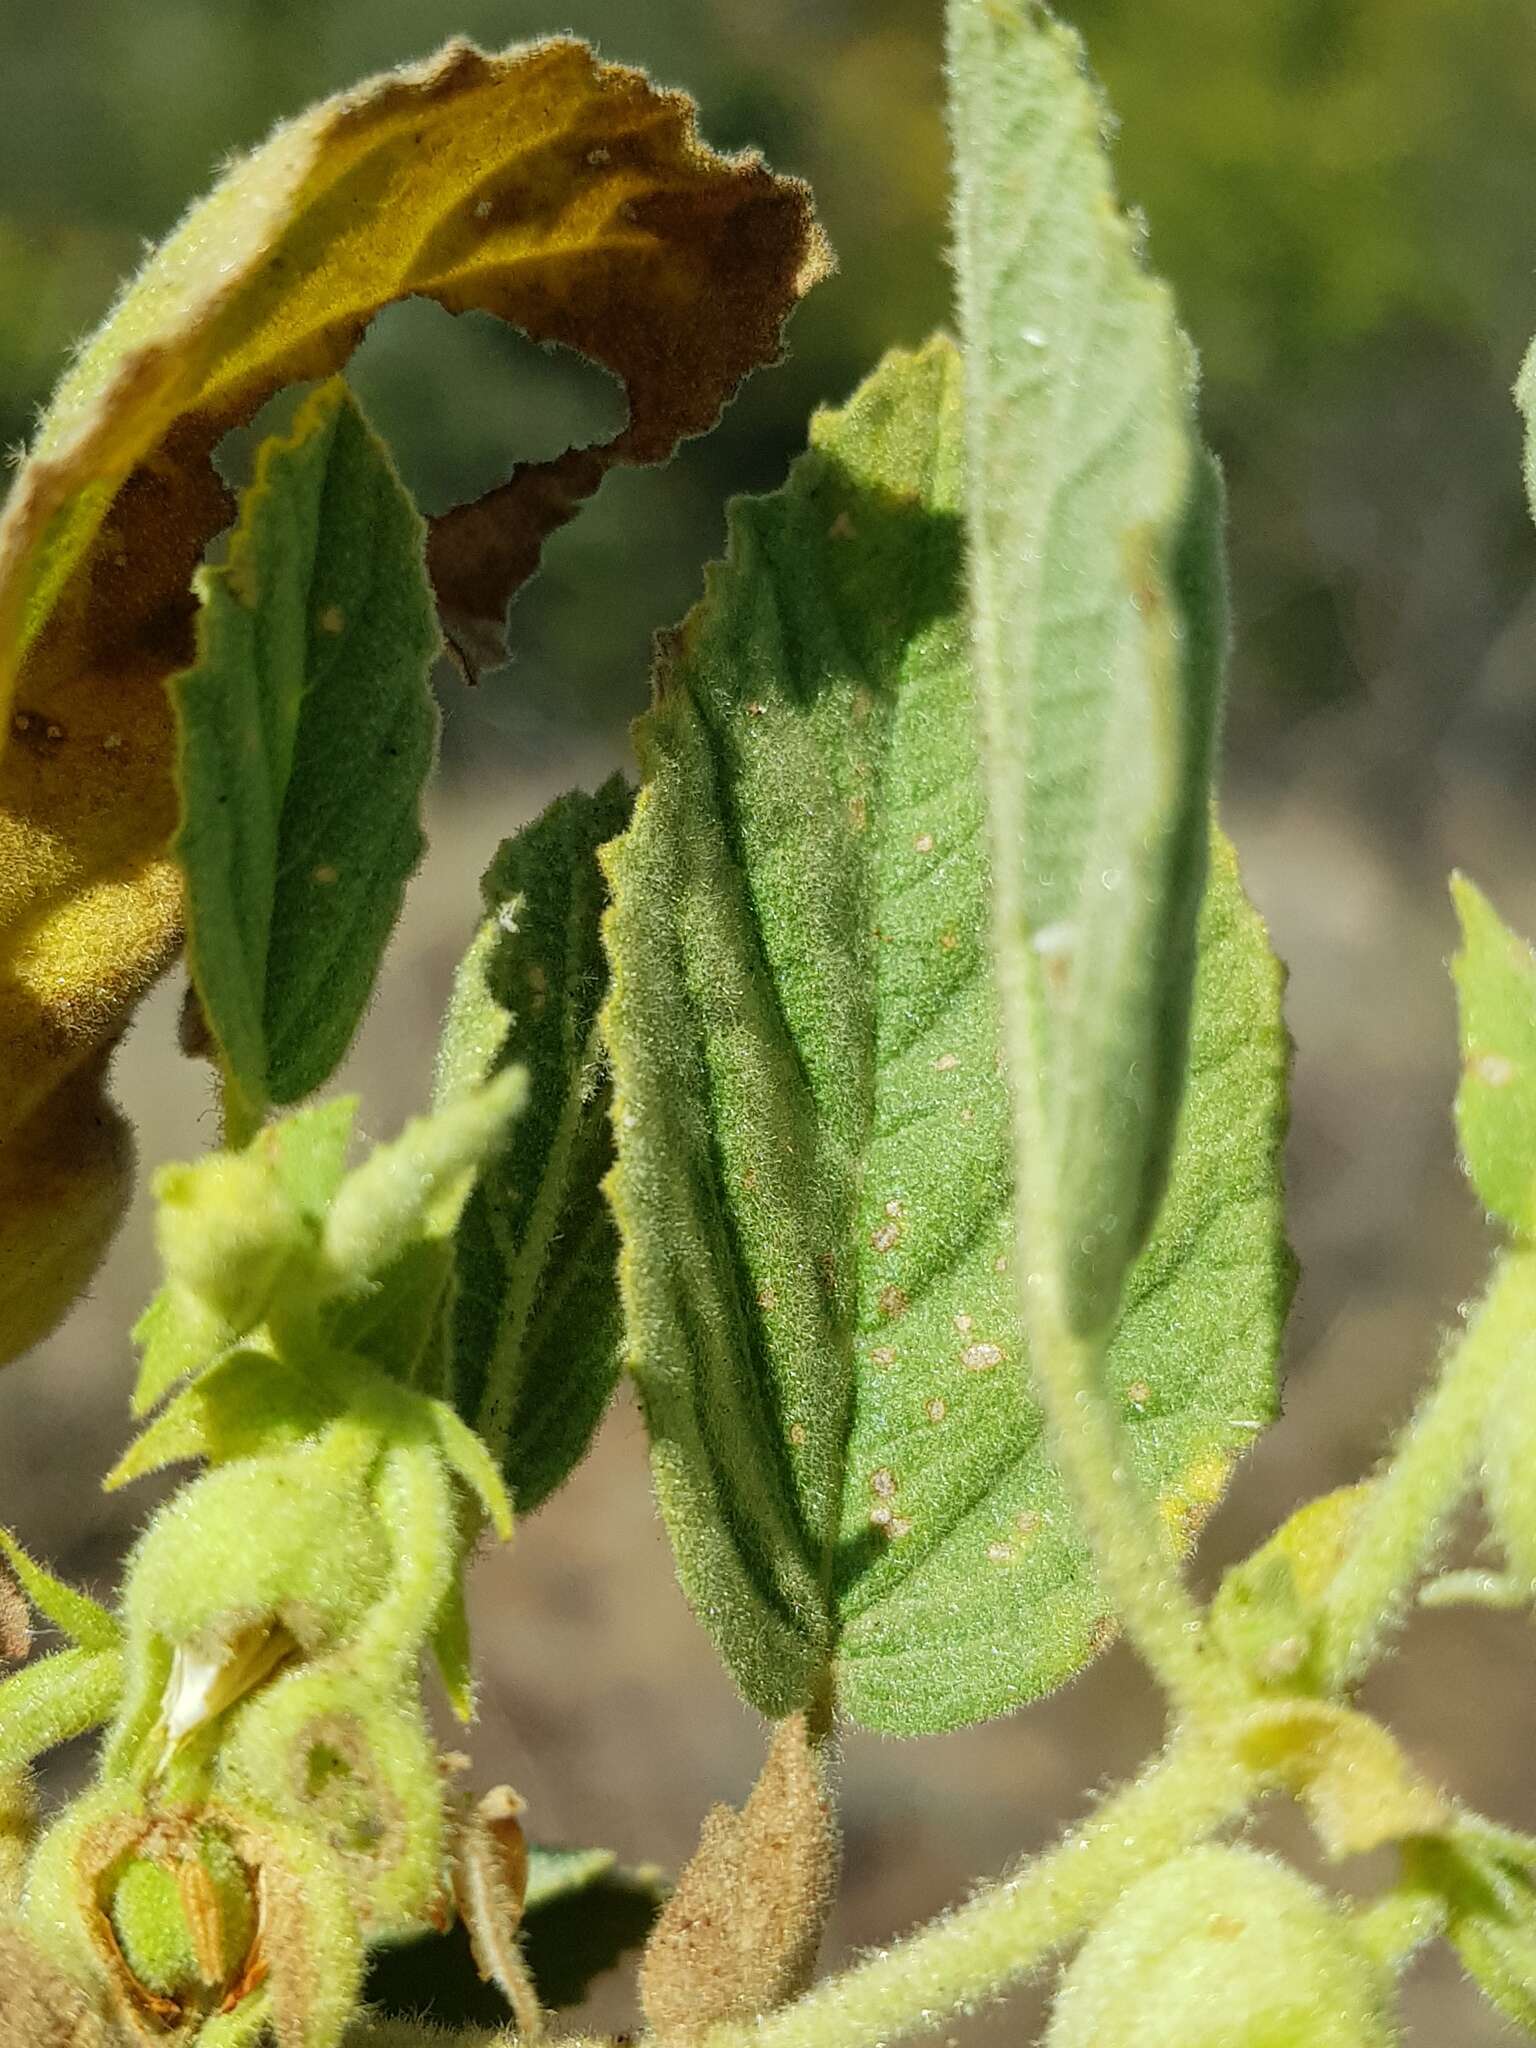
x=239 y=1118
x=1393 y=1928
x=1132 y=1548
x=1403 y=1520
x=1011 y=1927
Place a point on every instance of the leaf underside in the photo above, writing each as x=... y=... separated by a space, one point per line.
x=536 y=1322
x=814 y=1185
x=306 y=731
x=1098 y=614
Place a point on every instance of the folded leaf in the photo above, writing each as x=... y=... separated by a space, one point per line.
x=1098 y=628
x=536 y=1320
x=582 y=1911
x=305 y=733
x=814 y=1183
x=566 y=196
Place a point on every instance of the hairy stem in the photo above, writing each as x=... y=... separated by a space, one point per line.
x=1014 y=1925
x=1404 y=1518
x=1132 y=1549
x=239 y=1118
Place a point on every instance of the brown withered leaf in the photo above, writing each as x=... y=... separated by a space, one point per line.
x=41 y=2007
x=18 y=1832
x=740 y=1934
x=569 y=197
x=15 y=1619
x=64 y=1182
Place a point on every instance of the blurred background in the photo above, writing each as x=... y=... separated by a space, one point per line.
x=1344 y=194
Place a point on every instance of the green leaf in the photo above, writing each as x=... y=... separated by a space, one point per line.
x=583 y=1910
x=309 y=1150
x=536 y=1320
x=54 y=1699
x=1098 y=627
x=247 y=1403
x=814 y=1184
x=306 y=729
x=73 y=1613
x=279 y=1232
x=1495 y=975
x=415 y=1187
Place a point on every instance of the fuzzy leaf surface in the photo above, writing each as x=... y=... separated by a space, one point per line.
x=568 y=197
x=1098 y=628
x=536 y=1320
x=306 y=731
x=814 y=1182
x=1496 y=1102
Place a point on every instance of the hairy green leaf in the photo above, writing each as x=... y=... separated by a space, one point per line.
x=1098 y=624
x=536 y=1317
x=306 y=731
x=1496 y=1103
x=73 y=1613
x=278 y=1237
x=814 y=1179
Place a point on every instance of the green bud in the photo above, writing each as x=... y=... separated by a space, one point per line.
x=292 y=1536
x=183 y=1912
x=229 y=1234
x=1221 y=1948
x=351 y=1765
x=156 y=1907
x=256 y=1561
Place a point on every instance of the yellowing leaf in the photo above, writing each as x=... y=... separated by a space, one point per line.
x=64 y=1178
x=566 y=196
x=1356 y=1784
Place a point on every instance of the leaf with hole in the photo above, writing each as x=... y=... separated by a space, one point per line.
x=569 y=197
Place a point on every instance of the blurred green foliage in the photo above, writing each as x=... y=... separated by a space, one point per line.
x=1341 y=190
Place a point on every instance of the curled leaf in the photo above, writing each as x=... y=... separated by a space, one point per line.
x=536 y=1323
x=1357 y=1786
x=306 y=729
x=1495 y=975
x=1487 y=1878
x=569 y=197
